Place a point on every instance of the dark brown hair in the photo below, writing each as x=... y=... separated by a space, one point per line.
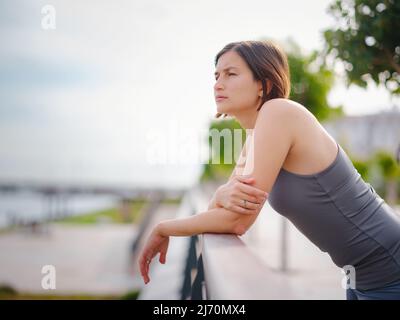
x=267 y=61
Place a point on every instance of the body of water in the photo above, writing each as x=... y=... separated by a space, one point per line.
x=26 y=207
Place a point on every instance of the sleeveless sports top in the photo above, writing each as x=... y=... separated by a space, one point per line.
x=343 y=216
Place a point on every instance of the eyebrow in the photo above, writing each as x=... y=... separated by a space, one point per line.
x=227 y=68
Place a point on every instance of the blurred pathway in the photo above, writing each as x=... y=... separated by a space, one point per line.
x=88 y=259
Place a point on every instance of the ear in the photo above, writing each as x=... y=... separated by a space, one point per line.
x=268 y=84
x=260 y=90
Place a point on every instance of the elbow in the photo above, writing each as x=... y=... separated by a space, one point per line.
x=243 y=223
x=240 y=223
x=239 y=229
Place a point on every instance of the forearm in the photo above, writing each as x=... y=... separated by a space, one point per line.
x=217 y=220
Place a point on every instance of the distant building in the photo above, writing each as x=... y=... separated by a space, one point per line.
x=366 y=134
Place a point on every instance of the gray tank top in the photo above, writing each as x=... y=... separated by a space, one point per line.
x=343 y=216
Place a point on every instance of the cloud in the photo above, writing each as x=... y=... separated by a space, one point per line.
x=26 y=72
x=82 y=98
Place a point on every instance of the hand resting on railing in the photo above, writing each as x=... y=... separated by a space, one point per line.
x=217 y=220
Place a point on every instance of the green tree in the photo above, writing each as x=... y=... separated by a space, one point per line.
x=366 y=39
x=362 y=167
x=391 y=174
x=311 y=81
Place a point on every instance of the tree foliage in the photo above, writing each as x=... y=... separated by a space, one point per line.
x=311 y=81
x=366 y=39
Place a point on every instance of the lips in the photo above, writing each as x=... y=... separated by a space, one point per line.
x=218 y=98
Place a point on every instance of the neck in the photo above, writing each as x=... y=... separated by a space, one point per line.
x=247 y=119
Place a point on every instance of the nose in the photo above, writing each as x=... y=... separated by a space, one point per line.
x=218 y=85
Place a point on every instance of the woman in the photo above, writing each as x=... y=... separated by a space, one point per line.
x=305 y=173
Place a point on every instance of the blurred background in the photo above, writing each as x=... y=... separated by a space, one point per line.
x=105 y=110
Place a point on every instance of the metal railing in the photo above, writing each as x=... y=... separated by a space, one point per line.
x=219 y=266
x=227 y=269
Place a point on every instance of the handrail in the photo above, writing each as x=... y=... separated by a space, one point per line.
x=232 y=271
x=213 y=266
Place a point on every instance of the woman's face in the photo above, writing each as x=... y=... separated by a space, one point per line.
x=236 y=84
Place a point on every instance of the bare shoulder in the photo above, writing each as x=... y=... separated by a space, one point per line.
x=286 y=107
x=297 y=116
x=288 y=113
x=312 y=147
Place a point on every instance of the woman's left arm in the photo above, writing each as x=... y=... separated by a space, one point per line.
x=218 y=220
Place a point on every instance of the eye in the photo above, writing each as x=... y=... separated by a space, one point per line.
x=229 y=74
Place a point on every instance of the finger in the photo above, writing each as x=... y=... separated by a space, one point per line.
x=253 y=191
x=148 y=260
x=244 y=196
x=147 y=278
x=145 y=263
x=245 y=178
x=163 y=257
x=248 y=205
x=142 y=260
x=241 y=210
x=250 y=199
x=143 y=269
x=163 y=251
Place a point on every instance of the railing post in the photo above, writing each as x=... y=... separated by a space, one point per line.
x=199 y=286
x=190 y=265
x=284 y=245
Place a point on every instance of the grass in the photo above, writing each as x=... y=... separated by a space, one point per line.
x=9 y=293
x=112 y=215
x=172 y=201
x=27 y=296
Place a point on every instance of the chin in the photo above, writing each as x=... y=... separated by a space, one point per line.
x=223 y=110
x=229 y=112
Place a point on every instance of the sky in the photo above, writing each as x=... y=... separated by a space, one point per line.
x=121 y=92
